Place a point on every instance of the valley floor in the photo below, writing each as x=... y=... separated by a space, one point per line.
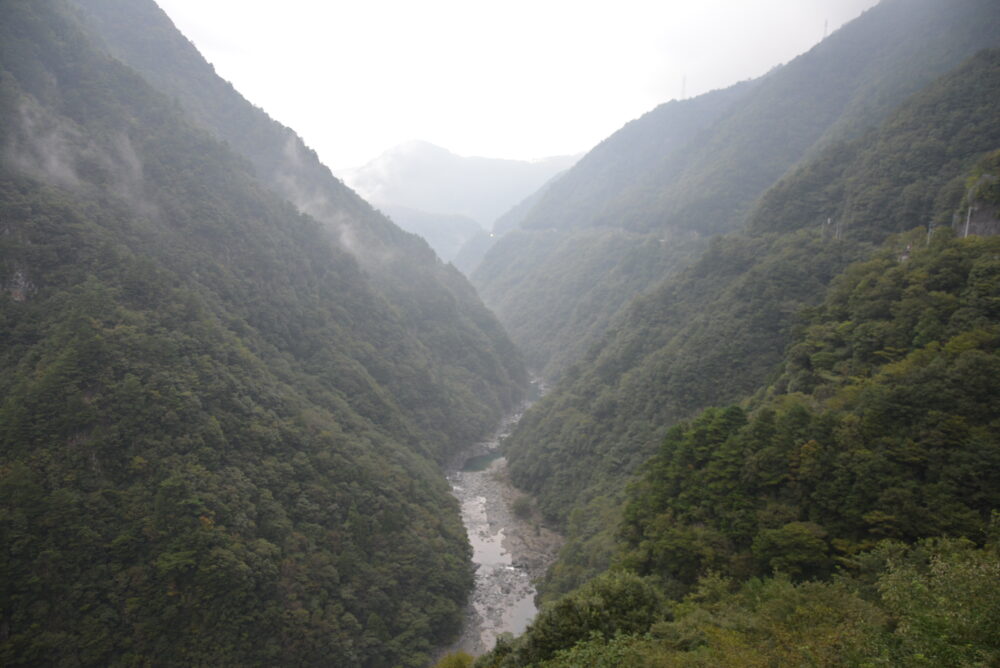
x=511 y=550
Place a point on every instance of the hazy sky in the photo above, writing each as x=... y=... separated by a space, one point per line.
x=513 y=79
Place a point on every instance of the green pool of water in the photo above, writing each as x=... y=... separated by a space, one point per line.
x=481 y=462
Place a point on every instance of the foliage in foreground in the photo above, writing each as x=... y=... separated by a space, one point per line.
x=933 y=604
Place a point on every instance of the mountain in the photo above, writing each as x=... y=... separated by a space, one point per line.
x=810 y=411
x=449 y=200
x=844 y=515
x=420 y=175
x=555 y=286
x=715 y=332
x=227 y=382
x=439 y=306
x=643 y=202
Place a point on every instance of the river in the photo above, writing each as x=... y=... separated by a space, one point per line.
x=510 y=551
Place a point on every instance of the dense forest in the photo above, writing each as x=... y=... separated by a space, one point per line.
x=463 y=340
x=641 y=205
x=715 y=332
x=844 y=515
x=220 y=431
x=844 y=510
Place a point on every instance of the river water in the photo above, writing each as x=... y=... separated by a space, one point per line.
x=509 y=552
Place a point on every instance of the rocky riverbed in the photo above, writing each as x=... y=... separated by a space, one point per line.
x=510 y=550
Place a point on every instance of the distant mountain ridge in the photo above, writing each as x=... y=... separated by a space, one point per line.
x=419 y=175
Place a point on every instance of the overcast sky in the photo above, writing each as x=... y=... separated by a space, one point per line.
x=514 y=79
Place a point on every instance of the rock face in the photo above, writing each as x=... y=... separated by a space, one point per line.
x=18 y=286
x=982 y=220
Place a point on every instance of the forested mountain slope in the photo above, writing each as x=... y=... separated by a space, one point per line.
x=694 y=168
x=464 y=341
x=881 y=425
x=873 y=455
x=715 y=332
x=845 y=511
x=218 y=427
x=557 y=285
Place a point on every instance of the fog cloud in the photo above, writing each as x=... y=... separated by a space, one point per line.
x=49 y=148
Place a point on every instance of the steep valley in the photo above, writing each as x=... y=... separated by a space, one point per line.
x=245 y=419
